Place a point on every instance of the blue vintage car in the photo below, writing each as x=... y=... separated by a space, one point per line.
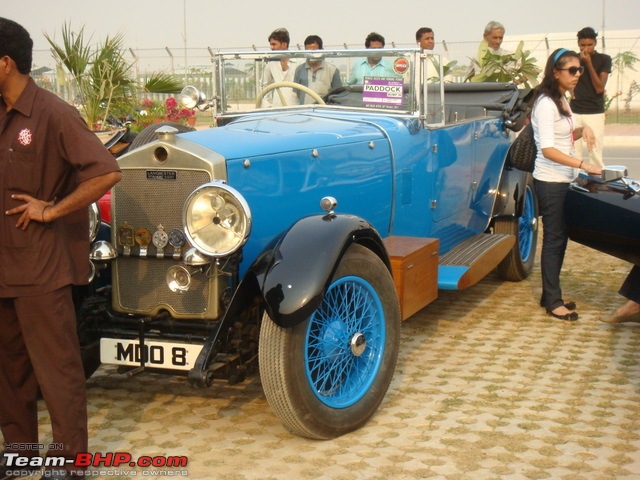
x=296 y=235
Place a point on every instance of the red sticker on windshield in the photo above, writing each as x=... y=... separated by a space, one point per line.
x=400 y=65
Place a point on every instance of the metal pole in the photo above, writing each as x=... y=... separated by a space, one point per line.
x=184 y=16
x=603 y=41
x=135 y=64
x=171 y=57
x=546 y=43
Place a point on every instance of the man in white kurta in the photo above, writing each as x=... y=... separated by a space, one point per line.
x=279 y=70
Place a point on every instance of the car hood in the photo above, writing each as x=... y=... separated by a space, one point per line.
x=269 y=134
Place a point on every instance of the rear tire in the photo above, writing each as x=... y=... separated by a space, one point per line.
x=328 y=375
x=518 y=263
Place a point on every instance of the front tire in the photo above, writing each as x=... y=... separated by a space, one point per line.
x=90 y=310
x=517 y=265
x=328 y=375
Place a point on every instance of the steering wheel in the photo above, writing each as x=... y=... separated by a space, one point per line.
x=295 y=86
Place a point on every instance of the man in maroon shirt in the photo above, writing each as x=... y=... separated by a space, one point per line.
x=51 y=168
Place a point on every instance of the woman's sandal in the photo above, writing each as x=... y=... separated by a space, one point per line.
x=570 y=317
x=569 y=305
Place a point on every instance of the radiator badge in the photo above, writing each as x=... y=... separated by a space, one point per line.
x=124 y=234
x=143 y=238
x=162 y=175
x=177 y=239
x=160 y=240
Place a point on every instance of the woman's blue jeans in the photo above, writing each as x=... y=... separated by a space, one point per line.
x=551 y=197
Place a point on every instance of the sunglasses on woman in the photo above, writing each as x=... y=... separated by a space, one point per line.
x=573 y=71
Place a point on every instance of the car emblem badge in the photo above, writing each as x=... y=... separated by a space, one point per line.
x=143 y=238
x=124 y=235
x=160 y=240
x=177 y=239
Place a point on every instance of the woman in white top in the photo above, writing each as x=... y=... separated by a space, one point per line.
x=555 y=169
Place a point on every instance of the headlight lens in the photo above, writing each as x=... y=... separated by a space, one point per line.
x=217 y=219
x=94 y=221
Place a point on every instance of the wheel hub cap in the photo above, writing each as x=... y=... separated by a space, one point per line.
x=358 y=344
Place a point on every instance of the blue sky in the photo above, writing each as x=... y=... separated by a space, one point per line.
x=239 y=24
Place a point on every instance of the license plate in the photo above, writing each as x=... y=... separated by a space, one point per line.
x=170 y=355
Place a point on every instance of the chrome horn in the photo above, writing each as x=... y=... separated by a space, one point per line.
x=178 y=278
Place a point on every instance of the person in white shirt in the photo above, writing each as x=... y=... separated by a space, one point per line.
x=492 y=40
x=491 y=43
x=425 y=38
x=555 y=168
x=280 y=70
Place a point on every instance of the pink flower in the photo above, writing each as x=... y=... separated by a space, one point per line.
x=171 y=104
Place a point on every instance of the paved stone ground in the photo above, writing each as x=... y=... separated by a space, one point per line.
x=487 y=387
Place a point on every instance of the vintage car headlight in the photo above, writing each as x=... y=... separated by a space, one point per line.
x=217 y=219
x=94 y=221
x=191 y=97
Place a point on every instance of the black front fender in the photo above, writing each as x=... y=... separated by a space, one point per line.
x=294 y=273
x=510 y=195
x=290 y=276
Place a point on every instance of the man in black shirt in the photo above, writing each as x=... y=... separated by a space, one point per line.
x=587 y=103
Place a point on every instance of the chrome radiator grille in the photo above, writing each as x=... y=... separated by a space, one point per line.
x=142 y=288
x=139 y=284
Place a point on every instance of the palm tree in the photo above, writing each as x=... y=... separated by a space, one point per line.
x=102 y=74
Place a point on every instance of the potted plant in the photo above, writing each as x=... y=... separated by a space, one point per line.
x=102 y=75
x=518 y=67
x=148 y=111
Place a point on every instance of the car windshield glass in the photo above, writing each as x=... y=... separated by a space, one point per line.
x=374 y=79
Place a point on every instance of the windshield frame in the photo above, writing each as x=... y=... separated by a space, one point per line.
x=414 y=83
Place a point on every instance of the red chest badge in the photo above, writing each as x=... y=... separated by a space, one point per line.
x=25 y=137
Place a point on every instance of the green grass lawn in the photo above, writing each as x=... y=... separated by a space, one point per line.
x=622 y=116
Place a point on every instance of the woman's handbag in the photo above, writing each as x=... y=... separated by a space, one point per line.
x=523 y=151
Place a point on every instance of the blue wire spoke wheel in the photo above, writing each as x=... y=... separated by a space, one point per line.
x=345 y=342
x=328 y=375
x=527 y=225
x=518 y=263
